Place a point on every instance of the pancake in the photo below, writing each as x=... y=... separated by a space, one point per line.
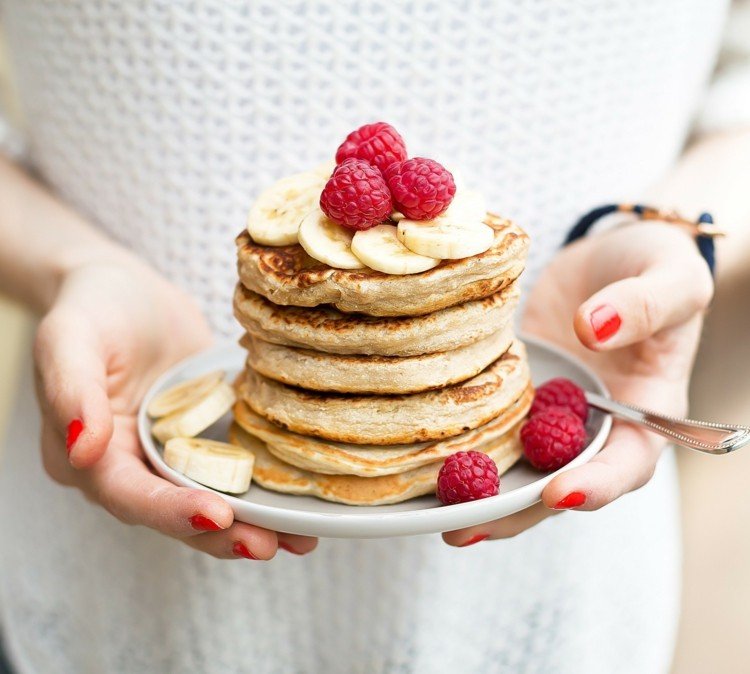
x=273 y=474
x=288 y=275
x=332 y=458
x=390 y=420
x=327 y=329
x=320 y=371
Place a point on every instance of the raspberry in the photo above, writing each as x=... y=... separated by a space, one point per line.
x=356 y=196
x=467 y=476
x=378 y=144
x=553 y=438
x=561 y=392
x=422 y=189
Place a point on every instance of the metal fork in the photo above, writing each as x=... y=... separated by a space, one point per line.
x=699 y=435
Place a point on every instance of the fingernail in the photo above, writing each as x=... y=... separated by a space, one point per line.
x=474 y=539
x=289 y=548
x=240 y=549
x=572 y=500
x=605 y=321
x=203 y=523
x=75 y=428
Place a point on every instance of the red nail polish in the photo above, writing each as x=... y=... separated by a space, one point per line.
x=289 y=548
x=605 y=322
x=572 y=500
x=75 y=428
x=474 y=539
x=240 y=549
x=203 y=523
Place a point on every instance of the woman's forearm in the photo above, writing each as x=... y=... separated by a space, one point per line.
x=713 y=175
x=41 y=239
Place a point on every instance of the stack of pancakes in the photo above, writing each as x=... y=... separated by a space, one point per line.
x=358 y=384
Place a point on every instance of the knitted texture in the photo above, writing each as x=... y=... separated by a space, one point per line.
x=161 y=121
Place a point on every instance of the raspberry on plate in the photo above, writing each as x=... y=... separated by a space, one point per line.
x=467 y=476
x=552 y=438
x=561 y=392
x=422 y=188
x=378 y=144
x=356 y=196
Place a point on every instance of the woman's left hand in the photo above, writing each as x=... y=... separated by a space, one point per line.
x=629 y=303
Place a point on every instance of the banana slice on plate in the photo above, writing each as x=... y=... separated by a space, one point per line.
x=277 y=213
x=327 y=241
x=184 y=394
x=218 y=465
x=380 y=249
x=187 y=422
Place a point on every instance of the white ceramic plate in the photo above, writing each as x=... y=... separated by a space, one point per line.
x=520 y=487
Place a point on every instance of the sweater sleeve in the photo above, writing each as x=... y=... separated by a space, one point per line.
x=727 y=102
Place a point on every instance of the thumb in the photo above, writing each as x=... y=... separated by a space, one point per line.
x=633 y=309
x=72 y=386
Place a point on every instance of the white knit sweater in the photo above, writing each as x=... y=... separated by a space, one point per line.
x=160 y=121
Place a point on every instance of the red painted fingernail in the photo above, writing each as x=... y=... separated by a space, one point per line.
x=572 y=500
x=75 y=428
x=240 y=549
x=203 y=523
x=474 y=539
x=605 y=321
x=289 y=548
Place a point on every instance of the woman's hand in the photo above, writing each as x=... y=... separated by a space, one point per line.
x=630 y=303
x=113 y=328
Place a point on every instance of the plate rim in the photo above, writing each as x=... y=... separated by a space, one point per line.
x=401 y=523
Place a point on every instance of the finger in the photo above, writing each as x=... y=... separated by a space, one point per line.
x=631 y=310
x=297 y=545
x=507 y=527
x=122 y=484
x=245 y=541
x=54 y=460
x=240 y=541
x=72 y=387
x=625 y=464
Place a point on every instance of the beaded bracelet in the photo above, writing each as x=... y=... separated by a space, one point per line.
x=703 y=228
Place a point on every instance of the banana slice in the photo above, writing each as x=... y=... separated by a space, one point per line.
x=458 y=233
x=183 y=395
x=380 y=249
x=467 y=205
x=458 y=180
x=276 y=215
x=327 y=241
x=213 y=464
x=445 y=237
x=189 y=421
x=325 y=169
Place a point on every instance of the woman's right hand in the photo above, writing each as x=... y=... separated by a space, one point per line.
x=112 y=329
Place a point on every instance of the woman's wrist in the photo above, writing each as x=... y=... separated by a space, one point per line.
x=44 y=241
x=71 y=260
x=701 y=231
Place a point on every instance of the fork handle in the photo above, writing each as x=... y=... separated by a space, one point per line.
x=702 y=436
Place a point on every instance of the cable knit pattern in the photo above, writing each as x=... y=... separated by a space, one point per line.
x=160 y=121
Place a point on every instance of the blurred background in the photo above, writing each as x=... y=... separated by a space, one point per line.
x=716 y=510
